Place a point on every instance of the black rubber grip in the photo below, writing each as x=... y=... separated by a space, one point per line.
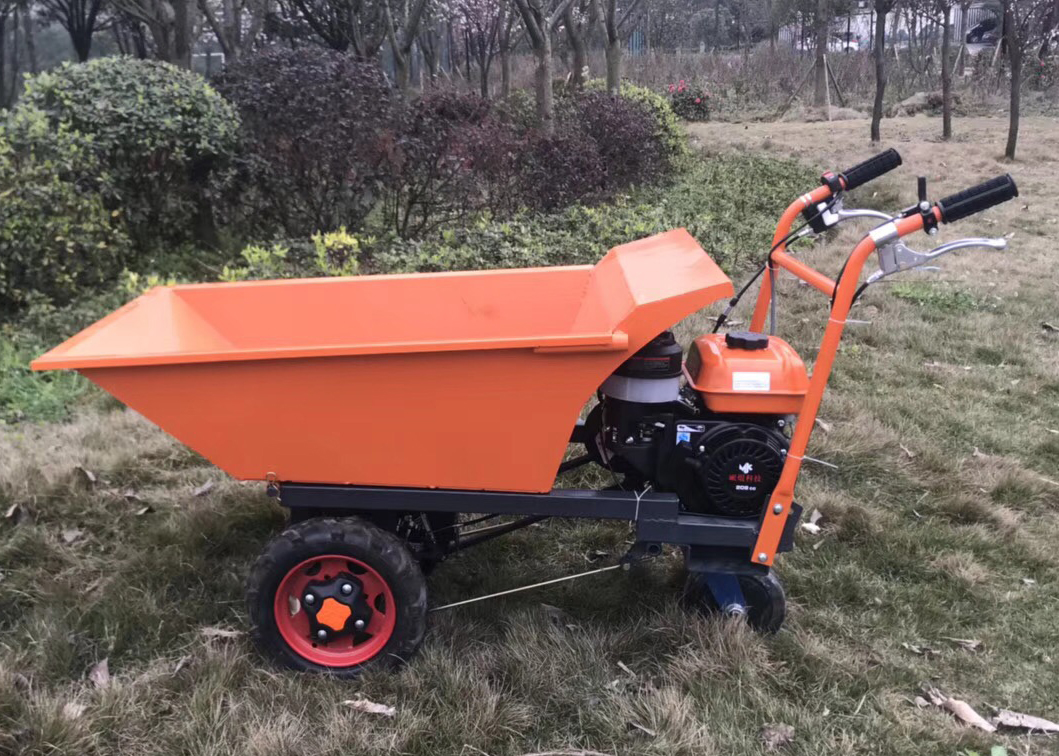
x=871 y=168
x=977 y=198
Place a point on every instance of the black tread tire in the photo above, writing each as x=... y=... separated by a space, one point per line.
x=350 y=536
x=763 y=592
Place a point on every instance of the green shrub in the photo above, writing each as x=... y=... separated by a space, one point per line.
x=689 y=101
x=729 y=203
x=669 y=131
x=163 y=134
x=25 y=395
x=57 y=236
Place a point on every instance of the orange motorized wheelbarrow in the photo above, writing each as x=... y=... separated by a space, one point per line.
x=371 y=408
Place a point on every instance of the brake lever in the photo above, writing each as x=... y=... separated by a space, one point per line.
x=897 y=256
x=844 y=214
x=827 y=216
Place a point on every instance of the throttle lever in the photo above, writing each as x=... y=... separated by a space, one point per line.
x=898 y=256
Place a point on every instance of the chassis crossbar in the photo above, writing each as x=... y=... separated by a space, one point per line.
x=657 y=516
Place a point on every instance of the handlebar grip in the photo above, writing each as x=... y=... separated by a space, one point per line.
x=871 y=168
x=977 y=198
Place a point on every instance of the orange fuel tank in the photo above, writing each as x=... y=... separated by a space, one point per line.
x=747 y=373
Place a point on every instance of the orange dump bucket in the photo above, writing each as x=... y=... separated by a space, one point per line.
x=450 y=380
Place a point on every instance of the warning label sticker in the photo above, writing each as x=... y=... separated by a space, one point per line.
x=751 y=381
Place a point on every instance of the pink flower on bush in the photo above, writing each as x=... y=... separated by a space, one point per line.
x=671 y=87
x=698 y=100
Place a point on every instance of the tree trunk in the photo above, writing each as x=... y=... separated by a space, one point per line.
x=3 y=60
x=28 y=35
x=182 y=33
x=577 y=49
x=545 y=100
x=613 y=52
x=880 y=72
x=965 y=12
x=771 y=24
x=1014 y=44
x=820 y=26
x=505 y=72
x=946 y=74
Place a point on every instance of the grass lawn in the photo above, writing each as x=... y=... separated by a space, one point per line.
x=939 y=526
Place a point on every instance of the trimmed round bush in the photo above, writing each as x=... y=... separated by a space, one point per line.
x=668 y=130
x=57 y=236
x=450 y=157
x=162 y=134
x=624 y=132
x=316 y=129
x=561 y=169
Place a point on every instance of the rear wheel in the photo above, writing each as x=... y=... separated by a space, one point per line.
x=763 y=595
x=337 y=596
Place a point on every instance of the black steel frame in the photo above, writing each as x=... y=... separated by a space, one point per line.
x=658 y=517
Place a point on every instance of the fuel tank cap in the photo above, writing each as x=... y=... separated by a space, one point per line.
x=746 y=340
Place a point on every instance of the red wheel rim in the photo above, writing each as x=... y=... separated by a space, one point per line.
x=344 y=651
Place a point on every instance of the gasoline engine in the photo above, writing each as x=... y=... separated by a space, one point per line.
x=712 y=430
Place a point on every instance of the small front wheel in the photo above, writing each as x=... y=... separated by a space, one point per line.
x=337 y=596
x=765 y=603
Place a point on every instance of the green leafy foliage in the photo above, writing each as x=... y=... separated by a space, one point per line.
x=25 y=395
x=729 y=203
x=689 y=101
x=163 y=134
x=57 y=237
x=667 y=126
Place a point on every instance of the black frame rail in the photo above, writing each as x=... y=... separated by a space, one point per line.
x=657 y=516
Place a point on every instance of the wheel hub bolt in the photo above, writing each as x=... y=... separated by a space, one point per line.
x=309 y=599
x=321 y=634
x=347 y=588
x=359 y=624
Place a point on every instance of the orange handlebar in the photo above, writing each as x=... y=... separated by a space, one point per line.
x=779 y=505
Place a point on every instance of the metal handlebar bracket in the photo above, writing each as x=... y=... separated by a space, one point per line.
x=896 y=256
x=826 y=215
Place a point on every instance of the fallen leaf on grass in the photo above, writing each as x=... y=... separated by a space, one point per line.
x=967 y=644
x=184 y=661
x=100 y=674
x=370 y=707
x=595 y=555
x=980 y=455
x=645 y=730
x=775 y=736
x=824 y=426
x=204 y=489
x=1049 y=327
x=625 y=668
x=1029 y=581
x=146 y=509
x=220 y=632
x=813 y=523
x=88 y=475
x=1018 y=721
x=73 y=710
x=132 y=497
x=959 y=709
x=920 y=650
x=908 y=452
x=555 y=614
x=18 y=514
x=72 y=534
